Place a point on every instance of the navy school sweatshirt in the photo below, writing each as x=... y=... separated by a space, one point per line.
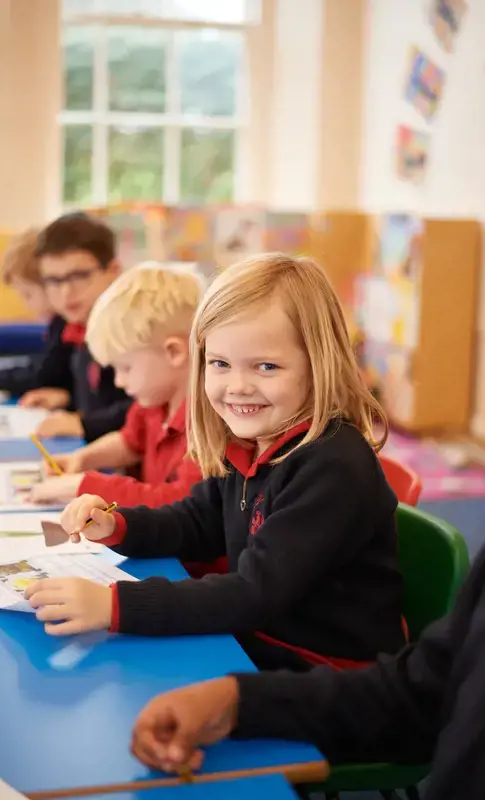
x=311 y=546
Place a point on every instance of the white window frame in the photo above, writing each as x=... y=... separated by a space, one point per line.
x=172 y=123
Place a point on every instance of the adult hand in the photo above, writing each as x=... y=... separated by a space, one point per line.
x=171 y=729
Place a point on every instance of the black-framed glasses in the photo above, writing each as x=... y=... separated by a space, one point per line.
x=78 y=279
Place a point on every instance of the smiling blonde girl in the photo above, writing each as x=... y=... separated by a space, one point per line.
x=281 y=425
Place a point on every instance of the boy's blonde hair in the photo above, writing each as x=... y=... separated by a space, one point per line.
x=20 y=260
x=143 y=303
x=306 y=295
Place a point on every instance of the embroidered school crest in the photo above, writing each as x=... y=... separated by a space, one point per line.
x=257 y=518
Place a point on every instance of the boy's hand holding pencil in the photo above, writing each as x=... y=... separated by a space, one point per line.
x=90 y=515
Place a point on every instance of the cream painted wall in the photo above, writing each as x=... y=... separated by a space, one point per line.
x=295 y=100
x=455 y=179
x=30 y=87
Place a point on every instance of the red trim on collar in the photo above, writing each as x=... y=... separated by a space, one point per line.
x=73 y=334
x=242 y=457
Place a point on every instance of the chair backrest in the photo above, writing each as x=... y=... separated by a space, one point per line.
x=434 y=562
x=405 y=483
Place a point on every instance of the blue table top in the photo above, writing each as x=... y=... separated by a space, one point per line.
x=22 y=337
x=68 y=706
x=25 y=449
x=265 y=787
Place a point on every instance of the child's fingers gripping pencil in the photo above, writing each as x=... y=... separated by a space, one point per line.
x=107 y=510
x=53 y=464
x=75 y=535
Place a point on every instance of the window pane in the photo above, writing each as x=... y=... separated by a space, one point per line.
x=236 y=11
x=207 y=166
x=210 y=64
x=78 y=68
x=135 y=164
x=78 y=148
x=136 y=59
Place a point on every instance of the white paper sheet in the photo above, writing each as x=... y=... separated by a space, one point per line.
x=17 y=575
x=17 y=422
x=15 y=548
x=7 y=793
x=16 y=480
x=19 y=522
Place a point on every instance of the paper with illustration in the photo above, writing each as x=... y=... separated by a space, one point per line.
x=16 y=481
x=15 y=576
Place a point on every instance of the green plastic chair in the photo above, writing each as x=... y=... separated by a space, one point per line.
x=434 y=561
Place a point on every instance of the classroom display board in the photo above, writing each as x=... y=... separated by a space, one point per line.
x=417 y=314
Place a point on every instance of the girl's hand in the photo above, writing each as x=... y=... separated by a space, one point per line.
x=61 y=423
x=70 y=605
x=170 y=730
x=63 y=488
x=68 y=462
x=45 y=398
x=77 y=513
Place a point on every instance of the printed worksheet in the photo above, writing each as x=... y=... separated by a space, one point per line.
x=15 y=576
x=16 y=480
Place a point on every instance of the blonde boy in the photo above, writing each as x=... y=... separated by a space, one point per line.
x=140 y=326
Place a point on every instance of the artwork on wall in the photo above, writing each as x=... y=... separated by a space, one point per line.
x=399 y=246
x=238 y=233
x=424 y=85
x=412 y=149
x=286 y=232
x=188 y=234
x=446 y=17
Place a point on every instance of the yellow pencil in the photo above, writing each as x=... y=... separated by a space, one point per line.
x=185 y=774
x=53 y=464
x=108 y=510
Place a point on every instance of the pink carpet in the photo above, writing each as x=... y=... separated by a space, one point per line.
x=440 y=480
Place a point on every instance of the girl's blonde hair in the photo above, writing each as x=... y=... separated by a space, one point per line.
x=307 y=297
x=144 y=302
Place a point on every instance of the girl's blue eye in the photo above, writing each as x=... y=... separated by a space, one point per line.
x=267 y=367
x=218 y=363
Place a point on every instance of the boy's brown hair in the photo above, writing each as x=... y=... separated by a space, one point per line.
x=20 y=260
x=78 y=231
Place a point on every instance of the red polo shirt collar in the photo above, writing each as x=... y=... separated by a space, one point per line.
x=73 y=334
x=242 y=456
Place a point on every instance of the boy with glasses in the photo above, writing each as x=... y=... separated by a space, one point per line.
x=77 y=262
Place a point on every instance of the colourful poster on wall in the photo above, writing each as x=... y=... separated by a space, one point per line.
x=188 y=235
x=446 y=17
x=424 y=85
x=411 y=154
x=286 y=232
x=238 y=233
x=399 y=246
x=130 y=231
